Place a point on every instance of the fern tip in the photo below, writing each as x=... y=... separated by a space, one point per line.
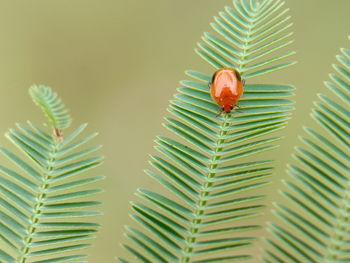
x=206 y=34
x=212 y=24
x=7 y=135
x=51 y=105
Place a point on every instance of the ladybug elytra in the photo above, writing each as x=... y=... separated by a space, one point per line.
x=226 y=88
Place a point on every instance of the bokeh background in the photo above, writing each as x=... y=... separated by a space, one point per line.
x=116 y=64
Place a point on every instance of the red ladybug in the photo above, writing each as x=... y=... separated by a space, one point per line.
x=226 y=87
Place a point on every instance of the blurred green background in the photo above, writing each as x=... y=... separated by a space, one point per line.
x=116 y=63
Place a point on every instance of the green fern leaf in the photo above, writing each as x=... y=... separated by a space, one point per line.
x=253 y=31
x=316 y=217
x=44 y=199
x=51 y=105
x=211 y=171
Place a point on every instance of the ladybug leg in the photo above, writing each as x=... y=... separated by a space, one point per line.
x=220 y=111
x=209 y=85
x=243 y=82
x=238 y=107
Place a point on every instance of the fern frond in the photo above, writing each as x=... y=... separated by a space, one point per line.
x=211 y=171
x=51 y=105
x=316 y=217
x=44 y=199
x=251 y=36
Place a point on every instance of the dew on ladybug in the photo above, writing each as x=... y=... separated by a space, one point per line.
x=226 y=88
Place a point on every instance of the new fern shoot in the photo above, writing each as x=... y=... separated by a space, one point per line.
x=52 y=107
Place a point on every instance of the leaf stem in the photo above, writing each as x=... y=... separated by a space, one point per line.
x=40 y=197
x=191 y=239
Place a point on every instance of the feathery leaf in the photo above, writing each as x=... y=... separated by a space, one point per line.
x=211 y=170
x=43 y=209
x=51 y=105
x=316 y=215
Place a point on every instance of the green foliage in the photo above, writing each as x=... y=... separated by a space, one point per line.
x=212 y=170
x=44 y=196
x=249 y=33
x=316 y=217
x=51 y=105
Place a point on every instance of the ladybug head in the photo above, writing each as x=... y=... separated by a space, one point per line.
x=227 y=108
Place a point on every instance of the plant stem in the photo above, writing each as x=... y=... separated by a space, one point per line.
x=205 y=192
x=191 y=239
x=40 y=197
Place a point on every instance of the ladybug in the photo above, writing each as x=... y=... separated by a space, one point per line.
x=226 y=87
